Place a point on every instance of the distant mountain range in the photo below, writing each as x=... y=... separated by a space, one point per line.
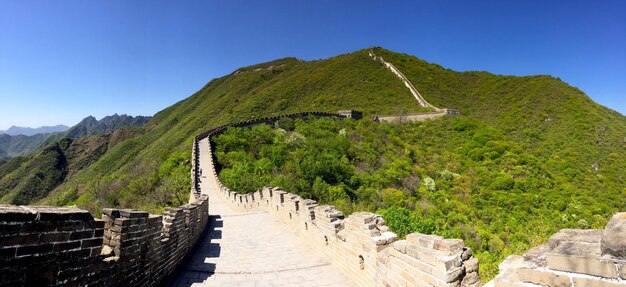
x=15 y=130
x=90 y=126
x=12 y=145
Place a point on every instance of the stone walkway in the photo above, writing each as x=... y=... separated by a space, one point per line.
x=253 y=249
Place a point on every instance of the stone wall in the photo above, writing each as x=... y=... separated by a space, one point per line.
x=416 y=117
x=422 y=102
x=61 y=246
x=572 y=257
x=361 y=245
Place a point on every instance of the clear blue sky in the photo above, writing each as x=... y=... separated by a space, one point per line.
x=63 y=60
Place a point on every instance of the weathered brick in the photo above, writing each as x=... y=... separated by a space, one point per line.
x=81 y=235
x=10 y=229
x=12 y=213
x=34 y=249
x=543 y=277
x=37 y=227
x=471 y=265
x=27 y=239
x=424 y=240
x=450 y=246
x=614 y=236
x=53 y=237
x=7 y=252
x=62 y=246
x=591 y=266
x=91 y=243
x=595 y=282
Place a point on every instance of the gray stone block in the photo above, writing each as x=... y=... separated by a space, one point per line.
x=544 y=278
x=614 y=236
x=471 y=265
x=575 y=235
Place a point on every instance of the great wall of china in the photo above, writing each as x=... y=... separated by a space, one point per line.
x=62 y=246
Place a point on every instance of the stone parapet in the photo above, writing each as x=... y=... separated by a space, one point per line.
x=362 y=245
x=572 y=258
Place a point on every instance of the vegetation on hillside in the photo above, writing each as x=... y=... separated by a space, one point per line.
x=24 y=145
x=454 y=177
x=532 y=151
x=24 y=180
x=21 y=145
x=91 y=126
x=282 y=86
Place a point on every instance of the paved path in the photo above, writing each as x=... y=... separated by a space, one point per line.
x=252 y=249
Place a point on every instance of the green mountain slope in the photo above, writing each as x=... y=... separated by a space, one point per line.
x=583 y=143
x=24 y=180
x=288 y=85
x=20 y=145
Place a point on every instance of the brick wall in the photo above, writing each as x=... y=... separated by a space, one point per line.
x=52 y=246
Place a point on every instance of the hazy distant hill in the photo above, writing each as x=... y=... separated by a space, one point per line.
x=15 y=130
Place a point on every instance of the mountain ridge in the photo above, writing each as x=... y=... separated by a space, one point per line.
x=22 y=145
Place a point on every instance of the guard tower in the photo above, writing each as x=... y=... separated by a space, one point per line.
x=351 y=114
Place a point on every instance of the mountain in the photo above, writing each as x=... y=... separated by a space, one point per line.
x=138 y=171
x=25 y=179
x=21 y=145
x=546 y=149
x=548 y=117
x=90 y=126
x=15 y=130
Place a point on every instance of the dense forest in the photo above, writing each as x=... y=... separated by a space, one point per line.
x=454 y=177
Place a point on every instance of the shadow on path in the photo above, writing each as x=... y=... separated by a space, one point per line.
x=201 y=268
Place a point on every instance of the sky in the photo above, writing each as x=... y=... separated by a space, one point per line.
x=61 y=61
